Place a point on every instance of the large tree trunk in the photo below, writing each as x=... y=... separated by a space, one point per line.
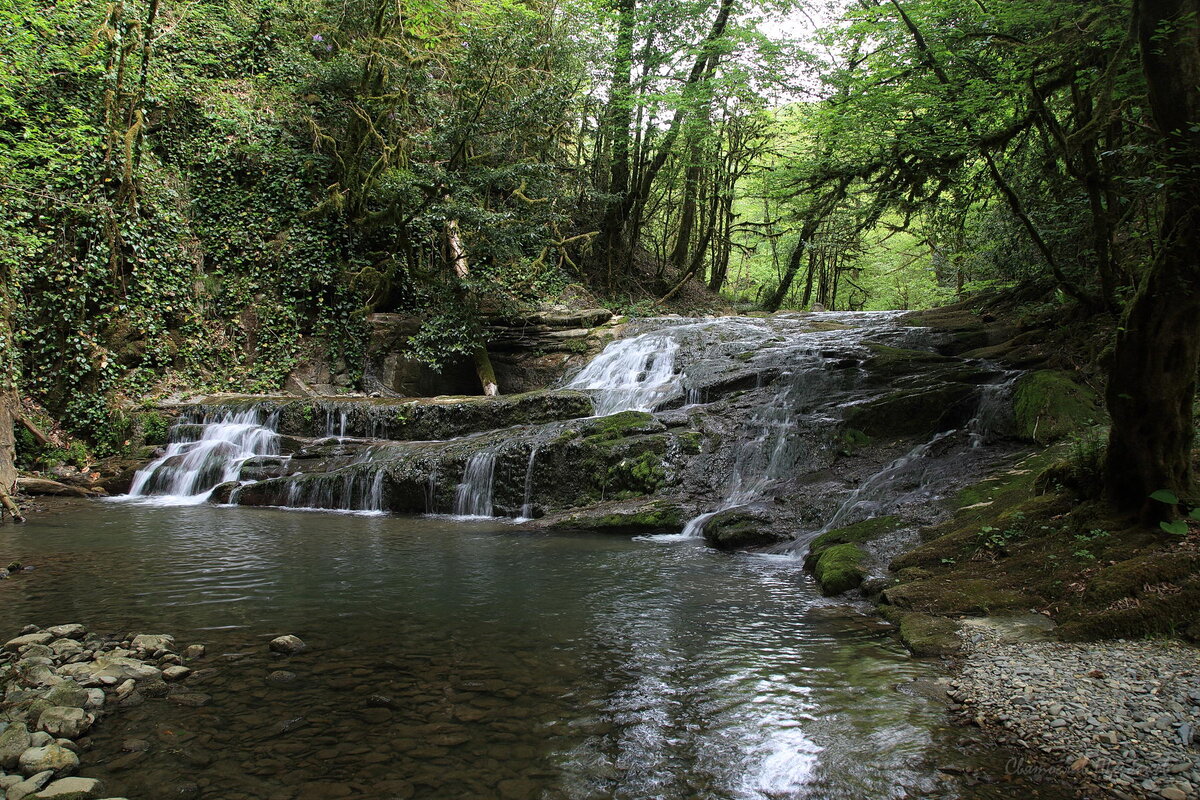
x=458 y=260
x=1152 y=384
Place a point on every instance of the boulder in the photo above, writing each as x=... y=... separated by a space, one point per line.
x=71 y=789
x=740 y=528
x=49 y=758
x=40 y=637
x=838 y=569
x=175 y=673
x=14 y=740
x=288 y=644
x=69 y=631
x=30 y=785
x=65 y=721
x=67 y=693
x=152 y=643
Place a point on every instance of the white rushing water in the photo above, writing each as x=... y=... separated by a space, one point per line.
x=636 y=374
x=473 y=497
x=204 y=455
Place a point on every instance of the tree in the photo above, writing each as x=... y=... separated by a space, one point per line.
x=1152 y=383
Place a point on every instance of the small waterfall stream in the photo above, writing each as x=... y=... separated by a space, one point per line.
x=473 y=497
x=636 y=374
x=205 y=454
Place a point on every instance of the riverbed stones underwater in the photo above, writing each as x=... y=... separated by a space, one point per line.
x=58 y=682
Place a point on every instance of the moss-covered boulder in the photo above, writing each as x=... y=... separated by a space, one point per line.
x=655 y=516
x=857 y=533
x=924 y=634
x=954 y=595
x=739 y=529
x=1048 y=405
x=838 y=569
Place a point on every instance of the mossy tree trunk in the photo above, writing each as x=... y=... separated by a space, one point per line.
x=1152 y=384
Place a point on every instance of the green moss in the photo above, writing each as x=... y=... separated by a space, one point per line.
x=927 y=635
x=621 y=426
x=690 y=442
x=851 y=440
x=837 y=569
x=641 y=474
x=1048 y=405
x=738 y=529
x=955 y=594
x=857 y=533
x=653 y=518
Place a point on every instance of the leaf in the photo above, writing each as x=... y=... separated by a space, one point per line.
x=1165 y=496
x=1194 y=514
x=1178 y=527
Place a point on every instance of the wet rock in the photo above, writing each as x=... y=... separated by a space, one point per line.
x=190 y=699
x=65 y=721
x=40 y=739
x=175 y=673
x=155 y=687
x=71 y=789
x=194 y=651
x=51 y=758
x=14 y=740
x=40 y=637
x=69 y=631
x=281 y=677
x=30 y=785
x=67 y=693
x=152 y=643
x=839 y=569
x=739 y=528
x=287 y=644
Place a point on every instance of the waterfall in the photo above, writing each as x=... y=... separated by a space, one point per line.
x=527 y=503
x=636 y=374
x=473 y=497
x=993 y=414
x=761 y=460
x=866 y=501
x=201 y=457
x=339 y=431
x=350 y=489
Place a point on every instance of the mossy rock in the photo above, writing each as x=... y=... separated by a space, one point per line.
x=1048 y=405
x=738 y=529
x=620 y=426
x=857 y=533
x=929 y=636
x=654 y=517
x=838 y=569
x=1140 y=576
x=955 y=595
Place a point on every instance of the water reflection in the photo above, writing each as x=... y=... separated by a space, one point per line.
x=515 y=664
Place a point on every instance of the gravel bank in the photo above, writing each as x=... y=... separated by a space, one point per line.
x=1124 y=714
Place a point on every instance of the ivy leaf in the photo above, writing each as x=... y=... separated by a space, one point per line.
x=1165 y=496
x=1178 y=527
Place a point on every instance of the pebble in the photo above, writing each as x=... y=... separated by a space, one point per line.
x=1123 y=713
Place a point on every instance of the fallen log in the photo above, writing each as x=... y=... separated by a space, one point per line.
x=10 y=506
x=49 y=488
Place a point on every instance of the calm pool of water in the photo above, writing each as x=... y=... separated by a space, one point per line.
x=470 y=659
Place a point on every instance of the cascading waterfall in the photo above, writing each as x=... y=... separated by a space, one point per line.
x=203 y=456
x=636 y=374
x=350 y=489
x=473 y=497
x=527 y=502
x=993 y=414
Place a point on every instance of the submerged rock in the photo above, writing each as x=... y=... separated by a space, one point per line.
x=288 y=644
x=71 y=789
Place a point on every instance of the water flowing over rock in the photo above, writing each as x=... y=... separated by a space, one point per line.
x=762 y=430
